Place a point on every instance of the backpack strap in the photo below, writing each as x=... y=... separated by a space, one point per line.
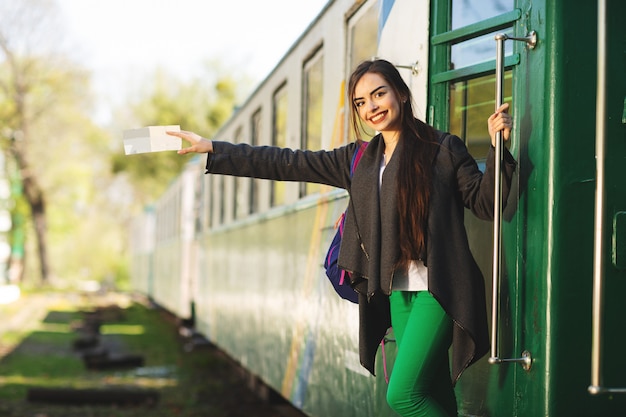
x=334 y=273
x=357 y=157
x=355 y=161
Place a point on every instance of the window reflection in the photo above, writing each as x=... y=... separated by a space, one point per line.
x=477 y=50
x=241 y=192
x=482 y=48
x=279 y=138
x=312 y=125
x=364 y=35
x=363 y=45
x=466 y=12
x=471 y=103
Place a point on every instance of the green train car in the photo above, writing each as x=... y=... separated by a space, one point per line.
x=243 y=258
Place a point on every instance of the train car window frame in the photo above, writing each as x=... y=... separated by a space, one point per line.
x=241 y=207
x=256 y=124
x=462 y=80
x=312 y=110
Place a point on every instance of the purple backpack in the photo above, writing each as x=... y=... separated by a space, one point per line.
x=337 y=276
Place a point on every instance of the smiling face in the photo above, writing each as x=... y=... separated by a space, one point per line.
x=377 y=104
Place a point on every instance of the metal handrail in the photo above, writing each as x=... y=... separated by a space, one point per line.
x=526 y=359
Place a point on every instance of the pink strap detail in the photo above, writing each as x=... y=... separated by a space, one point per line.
x=358 y=155
x=343 y=276
x=382 y=345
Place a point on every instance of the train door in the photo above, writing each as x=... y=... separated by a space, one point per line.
x=462 y=94
x=607 y=356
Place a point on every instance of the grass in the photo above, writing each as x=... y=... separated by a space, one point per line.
x=41 y=354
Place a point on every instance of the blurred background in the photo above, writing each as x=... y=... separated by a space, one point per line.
x=73 y=75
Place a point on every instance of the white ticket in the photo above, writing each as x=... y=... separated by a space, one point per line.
x=151 y=139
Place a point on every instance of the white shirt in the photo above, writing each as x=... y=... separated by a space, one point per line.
x=417 y=278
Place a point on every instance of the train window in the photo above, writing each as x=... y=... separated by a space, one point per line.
x=363 y=32
x=471 y=103
x=255 y=135
x=167 y=219
x=198 y=205
x=477 y=50
x=279 y=138
x=312 y=100
x=222 y=191
x=363 y=41
x=241 y=206
x=207 y=201
x=217 y=202
x=462 y=77
x=465 y=12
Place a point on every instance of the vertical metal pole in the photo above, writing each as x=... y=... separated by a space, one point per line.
x=497 y=209
x=526 y=359
x=598 y=268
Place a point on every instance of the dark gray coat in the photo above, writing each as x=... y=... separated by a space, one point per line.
x=369 y=246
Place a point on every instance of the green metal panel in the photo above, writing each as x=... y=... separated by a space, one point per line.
x=526 y=236
x=553 y=231
x=569 y=120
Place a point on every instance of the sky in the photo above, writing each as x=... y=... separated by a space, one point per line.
x=123 y=41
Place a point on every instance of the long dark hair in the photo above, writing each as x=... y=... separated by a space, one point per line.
x=415 y=174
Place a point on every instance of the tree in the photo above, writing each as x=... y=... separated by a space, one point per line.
x=34 y=80
x=77 y=189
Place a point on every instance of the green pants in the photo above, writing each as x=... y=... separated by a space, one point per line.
x=420 y=383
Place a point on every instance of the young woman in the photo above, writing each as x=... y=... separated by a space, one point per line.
x=406 y=249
